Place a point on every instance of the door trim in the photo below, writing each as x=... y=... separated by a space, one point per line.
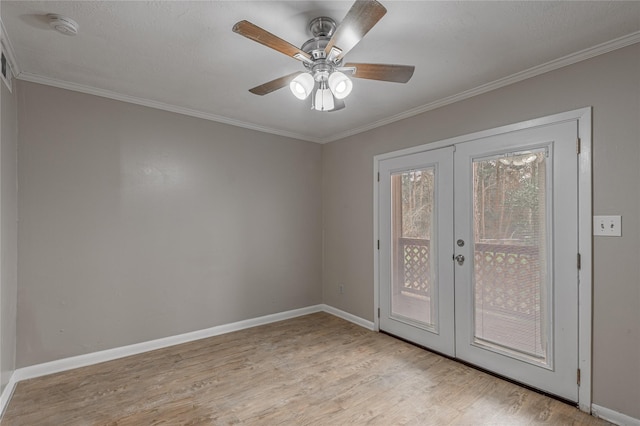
x=585 y=214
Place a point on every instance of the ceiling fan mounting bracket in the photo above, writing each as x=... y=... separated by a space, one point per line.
x=322 y=27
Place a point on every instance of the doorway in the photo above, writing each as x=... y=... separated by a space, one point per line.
x=480 y=247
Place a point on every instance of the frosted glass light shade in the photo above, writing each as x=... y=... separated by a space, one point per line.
x=301 y=86
x=340 y=85
x=323 y=100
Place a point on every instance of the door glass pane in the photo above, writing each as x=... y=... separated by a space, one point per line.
x=413 y=293
x=511 y=286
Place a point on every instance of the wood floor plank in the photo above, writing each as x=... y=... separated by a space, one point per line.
x=311 y=370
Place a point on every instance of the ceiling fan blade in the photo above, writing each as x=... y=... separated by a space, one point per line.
x=362 y=16
x=384 y=72
x=274 y=85
x=255 y=33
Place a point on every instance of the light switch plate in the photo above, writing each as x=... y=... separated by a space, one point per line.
x=607 y=226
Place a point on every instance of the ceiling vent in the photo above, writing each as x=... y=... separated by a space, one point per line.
x=62 y=24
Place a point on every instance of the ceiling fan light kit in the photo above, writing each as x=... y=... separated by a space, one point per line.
x=323 y=99
x=302 y=85
x=340 y=85
x=324 y=77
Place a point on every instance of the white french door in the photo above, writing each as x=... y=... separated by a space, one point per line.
x=417 y=206
x=478 y=253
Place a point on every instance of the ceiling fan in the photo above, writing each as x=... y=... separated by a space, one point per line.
x=325 y=75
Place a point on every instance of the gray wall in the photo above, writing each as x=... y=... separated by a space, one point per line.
x=8 y=232
x=611 y=84
x=137 y=224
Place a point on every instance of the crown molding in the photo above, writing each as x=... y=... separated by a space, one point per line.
x=564 y=61
x=555 y=64
x=61 y=84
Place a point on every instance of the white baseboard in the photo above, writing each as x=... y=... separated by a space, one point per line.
x=347 y=316
x=613 y=416
x=70 y=363
x=137 y=348
x=115 y=353
x=7 y=393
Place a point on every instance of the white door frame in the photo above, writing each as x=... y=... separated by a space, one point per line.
x=585 y=213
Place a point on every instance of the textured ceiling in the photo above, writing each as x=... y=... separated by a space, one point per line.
x=183 y=56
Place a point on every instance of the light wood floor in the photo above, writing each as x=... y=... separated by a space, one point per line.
x=316 y=369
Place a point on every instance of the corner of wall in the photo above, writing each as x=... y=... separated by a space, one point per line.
x=8 y=236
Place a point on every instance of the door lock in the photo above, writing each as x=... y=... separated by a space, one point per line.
x=460 y=259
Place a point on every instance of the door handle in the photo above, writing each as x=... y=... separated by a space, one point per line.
x=459 y=258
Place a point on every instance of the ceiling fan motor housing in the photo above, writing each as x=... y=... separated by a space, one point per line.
x=315 y=47
x=322 y=28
